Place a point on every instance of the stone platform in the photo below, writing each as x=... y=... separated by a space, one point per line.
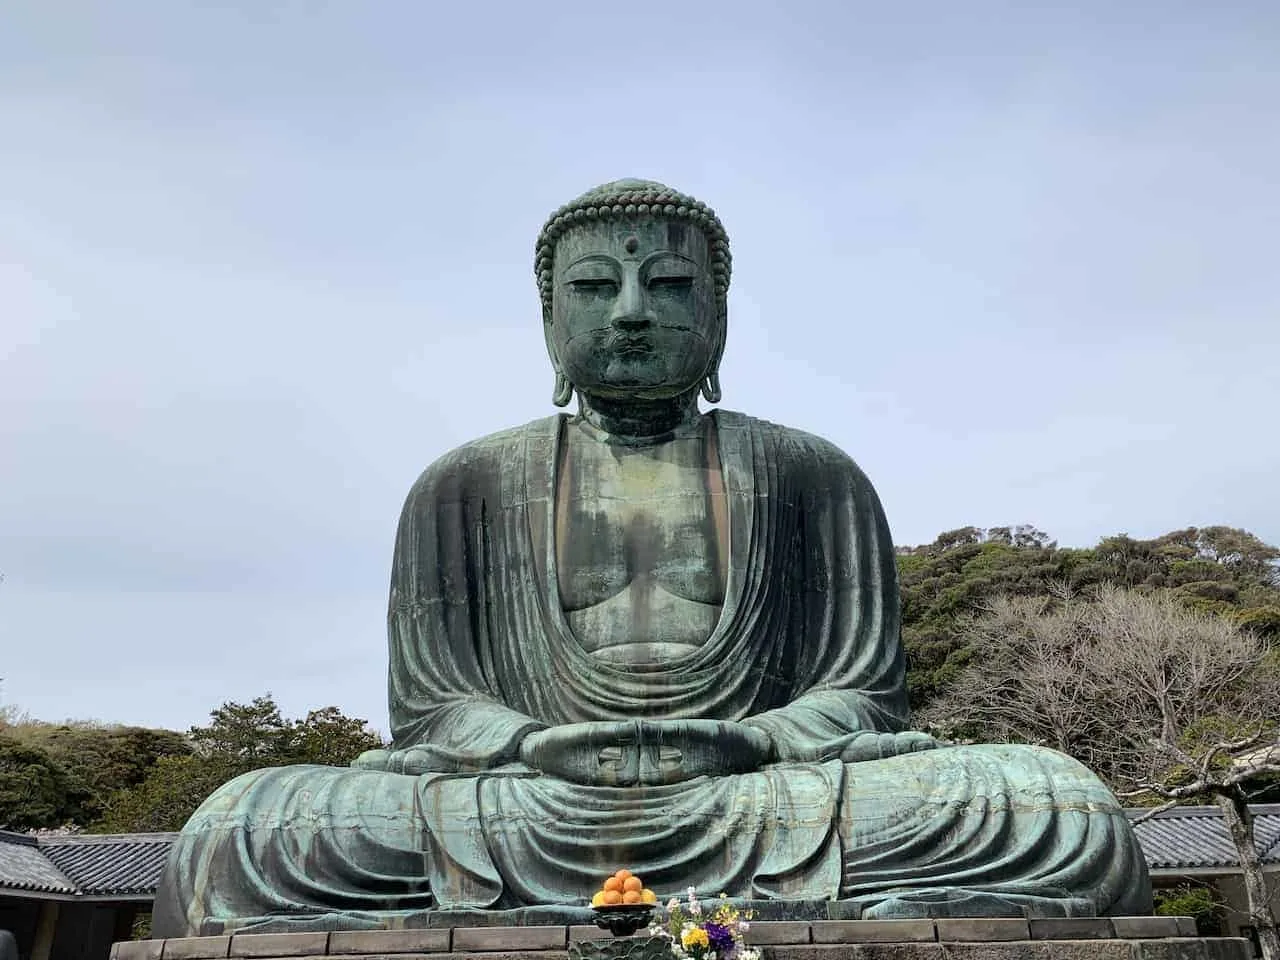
x=1112 y=938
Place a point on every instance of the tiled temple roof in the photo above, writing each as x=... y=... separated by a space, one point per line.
x=23 y=866
x=105 y=865
x=110 y=863
x=1195 y=838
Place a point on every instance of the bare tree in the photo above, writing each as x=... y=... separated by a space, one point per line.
x=1167 y=703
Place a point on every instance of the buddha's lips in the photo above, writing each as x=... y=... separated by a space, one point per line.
x=630 y=345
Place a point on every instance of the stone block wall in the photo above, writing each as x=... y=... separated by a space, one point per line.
x=1112 y=938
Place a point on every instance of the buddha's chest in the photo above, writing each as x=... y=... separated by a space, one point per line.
x=641 y=542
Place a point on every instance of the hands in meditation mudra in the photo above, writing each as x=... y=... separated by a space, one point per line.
x=649 y=636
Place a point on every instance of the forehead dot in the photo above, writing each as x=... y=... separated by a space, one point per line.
x=631 y=244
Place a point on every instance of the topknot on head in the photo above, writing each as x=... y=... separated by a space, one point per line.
x=633 y=199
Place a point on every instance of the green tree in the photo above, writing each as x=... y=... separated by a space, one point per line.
x=256 y=735
x=35 y=790
x=1263 y=620
x=952 y=577
x=99 y=759
x=328 y=737
x=1240 y=552
x=251 y=734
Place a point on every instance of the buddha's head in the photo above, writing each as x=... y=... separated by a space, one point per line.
x=633 y=277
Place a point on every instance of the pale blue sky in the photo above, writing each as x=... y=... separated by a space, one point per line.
x=262 y=262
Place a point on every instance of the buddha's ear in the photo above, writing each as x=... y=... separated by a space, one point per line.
x=563 y=392
x=710 y=389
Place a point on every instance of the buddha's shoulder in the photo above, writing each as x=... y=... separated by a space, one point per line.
x=797 y=450
x=478 y=463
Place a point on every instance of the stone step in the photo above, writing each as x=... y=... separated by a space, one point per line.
x=979 y=938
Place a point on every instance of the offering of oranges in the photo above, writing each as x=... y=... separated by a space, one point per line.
x=623 y=889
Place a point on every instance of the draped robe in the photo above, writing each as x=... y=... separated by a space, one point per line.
x=807 y=649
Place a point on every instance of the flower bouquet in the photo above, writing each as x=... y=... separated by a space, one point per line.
x=699 y=935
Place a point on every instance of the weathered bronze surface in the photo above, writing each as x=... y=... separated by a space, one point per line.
x=647 y=636
x=625 y=947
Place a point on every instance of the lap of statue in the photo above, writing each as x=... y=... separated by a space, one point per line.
x=977 y=829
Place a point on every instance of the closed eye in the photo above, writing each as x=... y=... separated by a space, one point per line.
x=596 y=285
x=672 y=284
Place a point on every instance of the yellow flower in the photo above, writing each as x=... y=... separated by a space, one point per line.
x=697 y=937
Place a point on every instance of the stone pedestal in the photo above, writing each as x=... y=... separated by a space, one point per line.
x=1111 y=938
x=639 y=947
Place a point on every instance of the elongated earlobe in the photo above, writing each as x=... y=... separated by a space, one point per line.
x=711 y=387
x=563 y=392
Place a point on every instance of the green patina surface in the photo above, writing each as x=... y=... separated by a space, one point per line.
x=649 y=636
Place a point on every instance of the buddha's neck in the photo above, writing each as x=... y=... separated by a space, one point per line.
x=640 y=422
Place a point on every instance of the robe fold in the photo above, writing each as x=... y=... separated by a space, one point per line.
x=806 y=649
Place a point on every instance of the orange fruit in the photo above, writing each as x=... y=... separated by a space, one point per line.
x=648 y=896
x=623 y=874
x=631 y=896
x=613 y=884
x=632 y=883
x=612 y=897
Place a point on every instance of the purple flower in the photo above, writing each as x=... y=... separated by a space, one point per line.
x=721 y=939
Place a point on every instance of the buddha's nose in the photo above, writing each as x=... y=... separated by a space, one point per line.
x=631 y=310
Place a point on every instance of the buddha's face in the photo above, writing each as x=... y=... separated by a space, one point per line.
x=633 y=309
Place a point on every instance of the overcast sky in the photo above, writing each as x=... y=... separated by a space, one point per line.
x=262 y=262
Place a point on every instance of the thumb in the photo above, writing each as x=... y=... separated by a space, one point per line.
x=372 y=760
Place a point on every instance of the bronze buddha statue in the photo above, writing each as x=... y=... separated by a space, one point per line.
x=648 y=636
